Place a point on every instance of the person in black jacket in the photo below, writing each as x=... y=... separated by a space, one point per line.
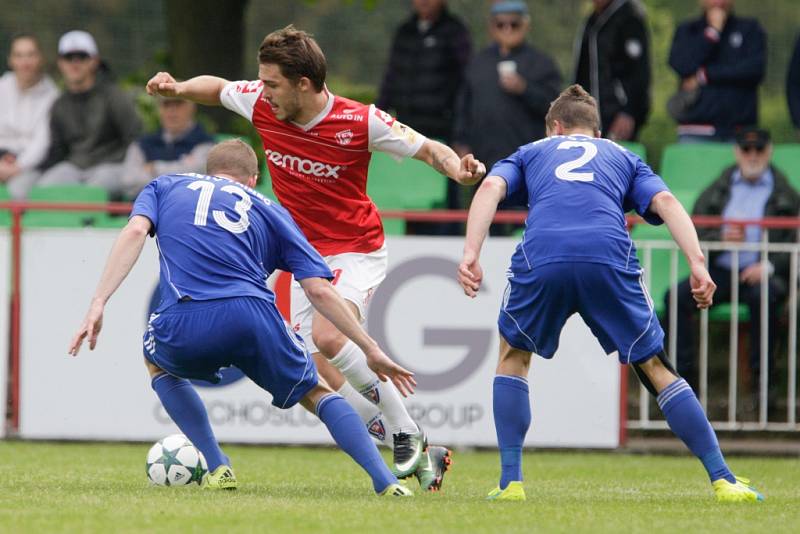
x=793 y=85
x=751 y=189
x=612 y=62
x=721 y=59
x=426 y=66
x=508 y=89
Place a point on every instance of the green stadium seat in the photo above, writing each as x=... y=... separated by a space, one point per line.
x=220 y=137
x=660 y=266
x=787 y=158
x=5 y=215
x=405 y=185
x=693 y=166
x=66 y=219
x=637 y=148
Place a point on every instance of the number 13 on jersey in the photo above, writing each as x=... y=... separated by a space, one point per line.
x=241 y=207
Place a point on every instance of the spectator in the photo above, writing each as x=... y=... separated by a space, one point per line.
x=26 y=96
x=613 y=64
x=793 y=85
x=180 y=145
x=751 y=189
x=91 y=124
x=507 y=91
x=720 y=59
x=426 y=66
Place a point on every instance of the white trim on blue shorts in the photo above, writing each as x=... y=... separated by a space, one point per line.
x=649 y=302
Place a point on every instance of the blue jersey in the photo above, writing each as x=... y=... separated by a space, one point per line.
x=578 y=189
x=218 y=239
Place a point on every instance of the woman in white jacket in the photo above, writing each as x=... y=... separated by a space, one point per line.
x=26 y=95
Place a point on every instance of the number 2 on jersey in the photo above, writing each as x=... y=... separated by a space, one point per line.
x=241 y=207
x=565 y=170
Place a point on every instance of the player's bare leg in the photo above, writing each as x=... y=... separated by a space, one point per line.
x=688 y=421
x=512 y=418
x=351 y=436
x=409 y=441
x=184 y=406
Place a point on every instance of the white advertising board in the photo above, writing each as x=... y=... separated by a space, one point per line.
x=5 y=319
x=419 y=314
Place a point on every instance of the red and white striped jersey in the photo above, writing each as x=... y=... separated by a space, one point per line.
x=319 y=169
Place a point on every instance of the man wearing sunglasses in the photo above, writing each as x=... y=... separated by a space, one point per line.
x=751 y=189
x=92 y=122
x=507 y=90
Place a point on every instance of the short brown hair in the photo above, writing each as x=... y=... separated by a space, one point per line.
x=296 y=53
x=233 y=157
x=574 y=108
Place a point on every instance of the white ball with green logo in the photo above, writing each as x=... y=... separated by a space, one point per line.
x=174 y=461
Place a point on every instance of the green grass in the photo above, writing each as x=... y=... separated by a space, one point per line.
x=47 y=487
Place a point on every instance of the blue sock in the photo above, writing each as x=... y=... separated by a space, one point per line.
x=184 y=406
x=512 y=418
x=687 y=420
x=351 y=436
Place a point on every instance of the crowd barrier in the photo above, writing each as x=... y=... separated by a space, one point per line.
x=767 y=416
x=419 y=315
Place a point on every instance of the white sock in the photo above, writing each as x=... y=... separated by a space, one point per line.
x=352 y=362
x=369 y=413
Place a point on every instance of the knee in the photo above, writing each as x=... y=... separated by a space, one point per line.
x=153 y=369
x=329 y=341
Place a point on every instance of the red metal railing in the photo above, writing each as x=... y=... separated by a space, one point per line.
x=17 y=208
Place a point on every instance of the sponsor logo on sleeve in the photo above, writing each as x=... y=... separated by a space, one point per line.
x=249 y=87
x=385 y=117
x=404 y=133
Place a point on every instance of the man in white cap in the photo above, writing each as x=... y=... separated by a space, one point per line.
x=92 y=122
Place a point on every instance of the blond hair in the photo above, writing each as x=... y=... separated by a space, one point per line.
x=233 y=157
x=574 y=108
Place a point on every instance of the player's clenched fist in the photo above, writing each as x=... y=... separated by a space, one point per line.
x=162 y=84
x=470 y=274
x=472 y=170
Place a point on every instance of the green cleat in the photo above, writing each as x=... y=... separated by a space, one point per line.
x=409 y=451
x=513 y=492
x=221 y=478
x=396 y=490
x=742 y=491
x=435 y=463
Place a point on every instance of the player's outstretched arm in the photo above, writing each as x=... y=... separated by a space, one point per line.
x=330 y=304
x=466 y=170
x=120 y=261
x=680 y=225
x=201 y=89
x=481 y=213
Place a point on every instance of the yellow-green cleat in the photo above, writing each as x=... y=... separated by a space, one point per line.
x=513 y=492
x=221 y=478
x=742 y=491
x=396 y=490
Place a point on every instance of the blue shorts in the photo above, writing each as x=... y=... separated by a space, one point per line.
x=612 y=301
x=195 y=339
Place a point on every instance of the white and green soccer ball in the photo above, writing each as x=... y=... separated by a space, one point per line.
x=174 y=461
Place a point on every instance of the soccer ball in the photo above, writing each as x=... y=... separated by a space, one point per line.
x=174 y=461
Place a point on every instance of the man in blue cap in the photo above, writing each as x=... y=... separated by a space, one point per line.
x=507 y=90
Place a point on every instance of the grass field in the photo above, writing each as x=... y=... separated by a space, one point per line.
x=47 y=487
